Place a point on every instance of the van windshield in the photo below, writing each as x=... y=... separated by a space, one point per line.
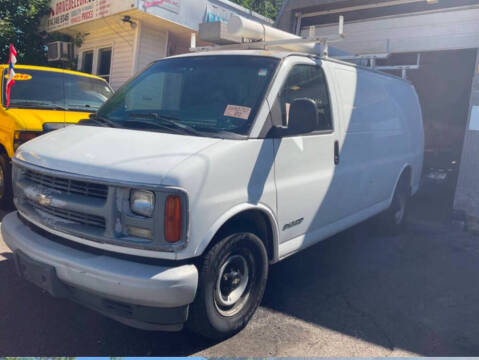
x=201 y=95
x=39 y=89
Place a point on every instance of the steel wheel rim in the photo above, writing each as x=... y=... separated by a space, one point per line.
x=232 y=285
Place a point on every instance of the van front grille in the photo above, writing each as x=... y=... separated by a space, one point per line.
x=66 y=185
x=70 y=215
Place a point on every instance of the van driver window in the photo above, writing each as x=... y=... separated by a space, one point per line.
x=307 y=81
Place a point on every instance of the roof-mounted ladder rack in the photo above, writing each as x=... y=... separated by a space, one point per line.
x=287 y=43
x=371 y=58
x=251 y=35
x=403 y=68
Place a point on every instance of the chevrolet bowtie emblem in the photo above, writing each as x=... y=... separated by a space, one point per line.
x=43 y=200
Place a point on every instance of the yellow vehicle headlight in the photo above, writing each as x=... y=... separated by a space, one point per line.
x=21 y=137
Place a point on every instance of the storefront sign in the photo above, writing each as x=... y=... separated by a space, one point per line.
x=216 y=13
x=66 y=13
x=188 y=13
x=171 y=5
x=219 y=10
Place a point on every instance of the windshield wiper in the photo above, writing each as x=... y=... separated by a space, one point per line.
x=152 y=125
x=221 y=133
x=85 y=107
x=38 y=104
x=165 y=121
x=106 y=121
x=100 y=120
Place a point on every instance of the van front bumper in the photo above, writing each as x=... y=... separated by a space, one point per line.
x=145 y=296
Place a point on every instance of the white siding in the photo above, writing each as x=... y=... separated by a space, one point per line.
x=445 y=30
x=111 y=32
x=153 y=44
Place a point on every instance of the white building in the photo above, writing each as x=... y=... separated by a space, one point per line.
x=446 y=34
x=121 y=37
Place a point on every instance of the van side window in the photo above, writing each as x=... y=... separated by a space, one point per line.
x=307 y=81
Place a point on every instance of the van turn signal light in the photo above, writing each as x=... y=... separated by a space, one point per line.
x=173 y=219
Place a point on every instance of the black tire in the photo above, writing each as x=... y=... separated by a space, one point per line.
x=209 y=316
x=6 y=195
x=394 y=218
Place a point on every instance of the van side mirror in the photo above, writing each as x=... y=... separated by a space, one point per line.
x=303 y=116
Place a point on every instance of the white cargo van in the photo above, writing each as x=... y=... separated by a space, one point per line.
x=169 y=205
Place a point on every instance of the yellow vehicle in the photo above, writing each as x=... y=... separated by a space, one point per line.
x=43 y=99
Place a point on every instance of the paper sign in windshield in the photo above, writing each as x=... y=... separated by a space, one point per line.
x=262 y=72
x=239 y=112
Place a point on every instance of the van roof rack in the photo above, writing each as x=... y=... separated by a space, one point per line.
x=244 y=34
x=370 y=60
x=402 y=68
x=263 y=37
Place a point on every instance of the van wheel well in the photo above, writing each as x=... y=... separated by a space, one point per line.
x=254 y=221
x=406 y=178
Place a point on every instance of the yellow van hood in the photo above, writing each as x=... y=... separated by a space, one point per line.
x=33 y=119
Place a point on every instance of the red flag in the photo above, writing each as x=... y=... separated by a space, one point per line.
x=12 y=60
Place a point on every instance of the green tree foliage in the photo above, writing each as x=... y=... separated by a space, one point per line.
x=19 y=23
x=269 y=8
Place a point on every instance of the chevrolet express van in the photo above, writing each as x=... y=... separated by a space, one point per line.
x=167 y=207
x=43 y=99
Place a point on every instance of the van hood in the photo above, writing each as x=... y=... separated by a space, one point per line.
x=33 y=119
x=113 y=154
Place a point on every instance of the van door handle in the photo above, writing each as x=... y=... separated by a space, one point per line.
x=336 y=152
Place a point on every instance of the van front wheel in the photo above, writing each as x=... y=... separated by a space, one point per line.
x=232 y=280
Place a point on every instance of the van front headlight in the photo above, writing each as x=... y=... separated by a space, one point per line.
x=142 y=202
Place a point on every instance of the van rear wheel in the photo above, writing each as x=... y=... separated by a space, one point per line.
x=395 y=217
x=232 y=280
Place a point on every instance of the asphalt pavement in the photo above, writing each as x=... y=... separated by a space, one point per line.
x=360 y=293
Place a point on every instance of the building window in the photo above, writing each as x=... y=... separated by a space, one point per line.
x=104 y=63
x=87 y=62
